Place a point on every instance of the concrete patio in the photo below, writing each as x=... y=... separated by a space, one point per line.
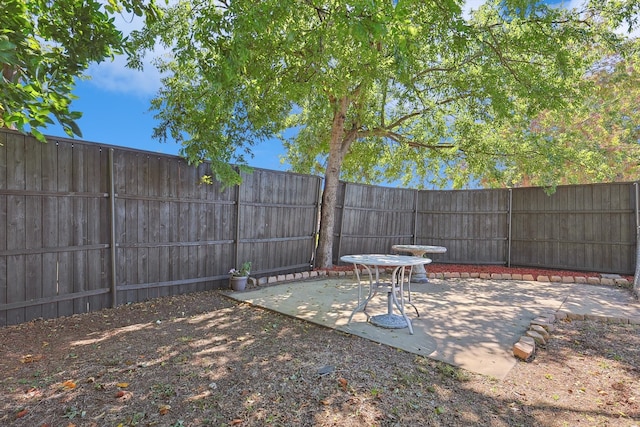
x=469 y=323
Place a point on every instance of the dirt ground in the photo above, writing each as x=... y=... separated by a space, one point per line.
x=205 y=360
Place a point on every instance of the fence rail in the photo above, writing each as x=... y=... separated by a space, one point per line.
x=86 y=226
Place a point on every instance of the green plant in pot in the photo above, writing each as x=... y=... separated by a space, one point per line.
x=239 y=276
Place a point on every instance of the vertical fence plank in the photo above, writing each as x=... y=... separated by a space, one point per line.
x=49 y=172
x=164 y=233
x=65 y=223
x=141 y=190
x=33 y=222
x=16 y=227
x=3 y=226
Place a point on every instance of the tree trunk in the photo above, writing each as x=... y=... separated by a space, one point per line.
x=327 y=216
x=338 y=148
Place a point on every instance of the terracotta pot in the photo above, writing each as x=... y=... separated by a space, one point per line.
x=238 y=283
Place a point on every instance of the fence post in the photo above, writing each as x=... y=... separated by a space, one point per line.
x=316 y=227
x=236 y=261
x=112 y=211
x=415 y=216
x=509 y=211
x=344 y=198
x=636 y=277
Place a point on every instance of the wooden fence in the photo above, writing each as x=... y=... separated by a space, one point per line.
x=581 y=227
x=85 y=226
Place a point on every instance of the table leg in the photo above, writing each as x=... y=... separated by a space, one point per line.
x=362 y=304
x=391 y=320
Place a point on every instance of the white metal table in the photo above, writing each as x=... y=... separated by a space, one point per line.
x=395 y=288
x=420 y=273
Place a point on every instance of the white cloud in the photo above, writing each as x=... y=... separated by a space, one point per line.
x=114 y=76
x=471 y=5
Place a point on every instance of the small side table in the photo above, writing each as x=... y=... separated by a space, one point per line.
x=419 y=272
x=395 y=289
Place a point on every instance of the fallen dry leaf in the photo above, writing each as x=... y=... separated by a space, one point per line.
x=30 y=358
x=119 y=394
x=343 y=383
x=21 y=413
x=122 y=385
x=69 y=385
x=236 y=422
x=618 y=386
x=164 y=409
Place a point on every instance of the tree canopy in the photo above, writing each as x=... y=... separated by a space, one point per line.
x=376 y=90
x=595 y=140
x=45 y=45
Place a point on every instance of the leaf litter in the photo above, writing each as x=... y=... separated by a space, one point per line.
x=203 y=359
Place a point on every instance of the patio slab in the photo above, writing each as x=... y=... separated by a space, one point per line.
x=469 y=323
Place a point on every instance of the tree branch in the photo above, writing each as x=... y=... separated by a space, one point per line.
x=407 y=117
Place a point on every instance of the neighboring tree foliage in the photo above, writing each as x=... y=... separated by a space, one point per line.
x=596 y=140
x=44 y=46
x=377 y=90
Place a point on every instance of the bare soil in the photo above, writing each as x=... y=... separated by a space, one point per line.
x=206 y=360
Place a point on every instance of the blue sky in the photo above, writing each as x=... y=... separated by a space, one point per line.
x=115 y=111
x=115 y=105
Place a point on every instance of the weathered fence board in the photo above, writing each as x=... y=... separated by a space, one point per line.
x=586 y=227
x=372 y=219
x=278 y=216
x=471 y=224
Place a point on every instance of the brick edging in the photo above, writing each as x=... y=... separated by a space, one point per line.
x=541 y=327
x=530 y=278
x=487 y=276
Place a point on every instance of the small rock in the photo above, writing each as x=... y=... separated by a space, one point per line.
x=528 y=340
x=544 y=322
x=522 y=350
x=622 y=282
x=539 y=329
x=539 y=339
x=326 y=370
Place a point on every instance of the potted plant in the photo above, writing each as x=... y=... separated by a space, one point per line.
x=239 y=276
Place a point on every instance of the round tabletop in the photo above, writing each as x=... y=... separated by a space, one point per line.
x=420 y=248
x=384 y=260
